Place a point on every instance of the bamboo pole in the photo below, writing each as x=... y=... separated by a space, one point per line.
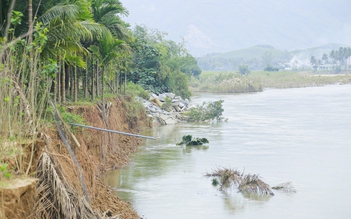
x=113 y=131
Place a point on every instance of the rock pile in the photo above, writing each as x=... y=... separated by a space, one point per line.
x=160 y=116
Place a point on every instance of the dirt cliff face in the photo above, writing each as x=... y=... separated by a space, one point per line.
x=102 y=151
x=96 y=152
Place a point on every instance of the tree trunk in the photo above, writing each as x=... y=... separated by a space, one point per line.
x=102 y=83
x=86 y=80
x=92 y=83
x=63 y=83
x=125 y=82
x=97 y=79
x=117 y=81
x=58 y=83
x=75 y=99
x=30 y=26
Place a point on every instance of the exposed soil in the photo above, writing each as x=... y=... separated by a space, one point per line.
x=98 y=152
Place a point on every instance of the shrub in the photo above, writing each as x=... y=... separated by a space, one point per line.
x=270 y=68
x=167 y=105
x=206 y=112
x=137 y=90
x=243 y=69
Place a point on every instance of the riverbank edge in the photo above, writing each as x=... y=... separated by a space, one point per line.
x=96 y=153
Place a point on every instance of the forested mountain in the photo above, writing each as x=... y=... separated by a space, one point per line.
x=222 y=25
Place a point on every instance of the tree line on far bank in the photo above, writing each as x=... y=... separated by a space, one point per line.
x=337 y=60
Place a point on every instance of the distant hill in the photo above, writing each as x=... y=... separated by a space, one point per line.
x=209 y=26
x=259 y=56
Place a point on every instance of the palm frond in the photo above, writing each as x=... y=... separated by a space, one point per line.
x=253 y=184
x=60 y=11
x=56 y=197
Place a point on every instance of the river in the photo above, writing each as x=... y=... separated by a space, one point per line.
x=300 y=135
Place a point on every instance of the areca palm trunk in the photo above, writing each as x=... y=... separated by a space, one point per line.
x=75 y=82
x=63 y=83
x=92 y=83
x=97 y=79
x=30 y=24
x=58 y=83
x=86 y=80
x=102 y=84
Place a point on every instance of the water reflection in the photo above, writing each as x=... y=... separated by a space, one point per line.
x=233 y=203
x=189 y=149
x=257 y=197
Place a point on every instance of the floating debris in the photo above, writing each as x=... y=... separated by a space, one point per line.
x=252 y=183
x=285 y=187
x=188 y=141
x=246 y=184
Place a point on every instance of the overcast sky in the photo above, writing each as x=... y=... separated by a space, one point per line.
x=224 y=25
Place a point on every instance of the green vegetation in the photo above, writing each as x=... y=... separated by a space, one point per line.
x=231 y=82
x=206 y=112
x=336 y=61
x=189 y=141
x=161 y=65
x=167 y=105
x=243 y=69
x=270 y=68
x=226 y=82
x=78 y=51
x=4 y=171
x=137 y=90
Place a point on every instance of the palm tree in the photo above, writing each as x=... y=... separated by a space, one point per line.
x=107 y=13
x=68 y=25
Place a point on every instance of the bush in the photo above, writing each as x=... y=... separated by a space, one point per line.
x=243 y=69
x=167 y=105
x=137 y=90
x=206 y=112
x=270 y=68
